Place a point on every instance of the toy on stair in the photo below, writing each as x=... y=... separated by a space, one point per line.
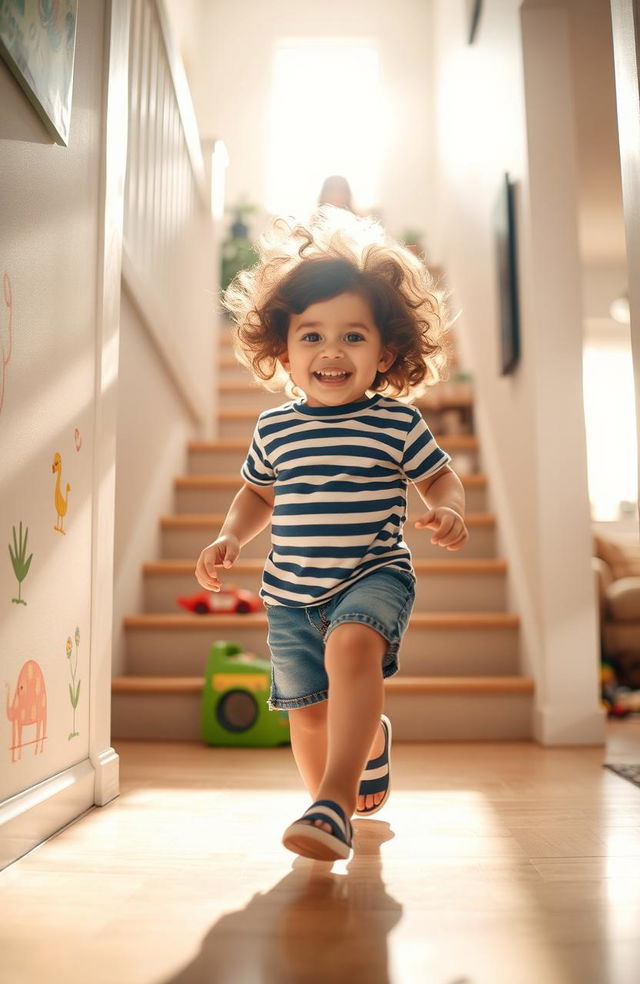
x=234 y=700
x=617 y=703
x=231 y=600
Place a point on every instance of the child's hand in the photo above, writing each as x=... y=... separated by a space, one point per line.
x=451 y=531
x=221 y=553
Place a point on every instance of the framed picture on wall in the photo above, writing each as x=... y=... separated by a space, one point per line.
x=507 y=271
x=37 y=41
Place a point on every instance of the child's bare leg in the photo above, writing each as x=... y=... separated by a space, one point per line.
x=353 y=660
x=309 y=743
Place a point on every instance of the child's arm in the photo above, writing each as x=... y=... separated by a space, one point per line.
x=248 y=515
x=443 y=494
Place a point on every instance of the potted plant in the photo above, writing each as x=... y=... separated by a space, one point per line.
x=237 y=251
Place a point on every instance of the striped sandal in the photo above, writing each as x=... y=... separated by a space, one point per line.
x=376 y=777
x=313 y=842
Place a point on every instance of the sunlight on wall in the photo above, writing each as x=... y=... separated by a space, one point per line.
x=610 y=418
x=328 y=116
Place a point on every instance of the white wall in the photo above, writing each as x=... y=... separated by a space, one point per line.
x=229 y=69
x=154 y=426
x=49 y=253
x=600 y=215
x=504 y=105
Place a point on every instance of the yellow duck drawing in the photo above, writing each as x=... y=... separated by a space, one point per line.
x=61 y=502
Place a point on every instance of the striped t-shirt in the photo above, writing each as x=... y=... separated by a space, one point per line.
x=340 y=492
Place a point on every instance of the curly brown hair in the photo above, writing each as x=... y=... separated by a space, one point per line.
x=335 y=254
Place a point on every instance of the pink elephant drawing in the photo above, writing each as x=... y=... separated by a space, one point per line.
x=29 y=706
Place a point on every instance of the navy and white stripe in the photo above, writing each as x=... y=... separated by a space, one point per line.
x=340 y=492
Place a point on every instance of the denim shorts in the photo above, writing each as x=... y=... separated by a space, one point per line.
x=297 y=637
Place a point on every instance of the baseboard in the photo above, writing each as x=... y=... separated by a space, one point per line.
x=554 y=729
x=107 y=776
x=32 y=816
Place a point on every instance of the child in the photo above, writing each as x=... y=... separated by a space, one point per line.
x=345 y=316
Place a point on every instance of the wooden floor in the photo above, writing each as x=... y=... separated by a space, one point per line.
x=491 y=864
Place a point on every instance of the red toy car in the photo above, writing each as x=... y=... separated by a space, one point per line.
x=228 y=601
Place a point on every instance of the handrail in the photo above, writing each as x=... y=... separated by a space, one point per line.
x=185 y=103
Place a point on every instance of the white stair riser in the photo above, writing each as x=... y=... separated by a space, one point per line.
x=235 y=373
x=434 y=592
x=253 y=398
x=169 y=717
x=460 y=717
x=222 y=462
x=182 y=544
x=191 y=500
x=420 y=717
x=424 y=651
x=241 y=429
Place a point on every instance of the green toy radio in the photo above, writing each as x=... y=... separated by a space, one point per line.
x=234 y=700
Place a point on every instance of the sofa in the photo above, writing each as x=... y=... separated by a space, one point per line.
x=616 y=567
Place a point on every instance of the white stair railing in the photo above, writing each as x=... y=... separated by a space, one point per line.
x=168 y=251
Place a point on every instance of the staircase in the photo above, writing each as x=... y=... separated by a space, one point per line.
x=459 y=661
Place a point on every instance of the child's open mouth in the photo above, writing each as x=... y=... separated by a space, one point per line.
x=332 y=377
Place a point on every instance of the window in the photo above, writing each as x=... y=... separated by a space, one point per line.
x=610 y=419
x=327 y=117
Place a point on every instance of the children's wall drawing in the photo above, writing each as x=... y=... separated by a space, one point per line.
x=6 y=333
x=28 y=707
x=61 y=501
x=74 y=688
x=19 y=560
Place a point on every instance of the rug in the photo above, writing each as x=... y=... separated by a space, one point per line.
x=630 y=772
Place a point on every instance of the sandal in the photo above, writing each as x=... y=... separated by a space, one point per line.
x=376 y=777
x=313 y=842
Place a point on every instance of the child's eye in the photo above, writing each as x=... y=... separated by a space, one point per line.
x=311 y=336
x=354 y=336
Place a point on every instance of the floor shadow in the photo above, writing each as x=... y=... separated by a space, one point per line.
x=313 y=926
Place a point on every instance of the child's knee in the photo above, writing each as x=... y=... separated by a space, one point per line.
x=355 y=642
x=353 y=650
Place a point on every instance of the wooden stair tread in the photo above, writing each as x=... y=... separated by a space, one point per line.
x=454 y=565
x=433 y=620
x=395 y=685
x=157 y=685
x=207 y=520
x=461 y=685
x=226 y=444
x=460 y=441
x=477 y=480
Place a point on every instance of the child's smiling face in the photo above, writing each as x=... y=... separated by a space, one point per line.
x=334 y=350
